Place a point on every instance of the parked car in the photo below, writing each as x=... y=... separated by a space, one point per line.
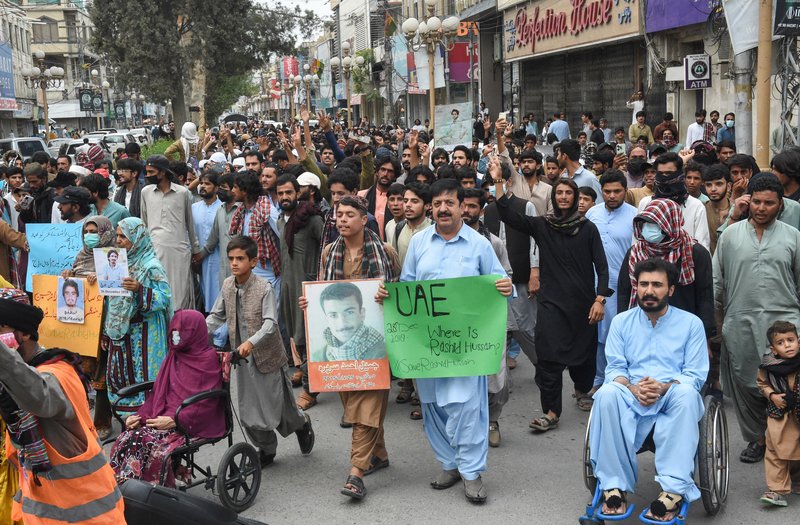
x=54 y=146
x=75 y=144
x=118 y=140
x=26 y=146
x=142 y=136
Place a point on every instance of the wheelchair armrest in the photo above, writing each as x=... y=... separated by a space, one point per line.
x=126 y=392
x=202 y=396
x=132 y=390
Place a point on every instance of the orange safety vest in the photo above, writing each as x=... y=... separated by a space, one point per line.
x=76 y=490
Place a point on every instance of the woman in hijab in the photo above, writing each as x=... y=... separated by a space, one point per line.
x=135 y=326
x=569 y=304
x=191 y=367
x=97 y=233
x=659 y=232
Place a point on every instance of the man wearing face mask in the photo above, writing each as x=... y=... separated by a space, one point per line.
x=727 y=132
x=204 y=214
x=636 y=163
x=670 y=184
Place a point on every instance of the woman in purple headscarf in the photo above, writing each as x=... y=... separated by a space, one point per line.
x=191 y=367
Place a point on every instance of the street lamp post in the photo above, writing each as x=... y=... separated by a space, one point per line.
x=430 y=33
x=309 y=81
x=346 y=64
x=38 y=77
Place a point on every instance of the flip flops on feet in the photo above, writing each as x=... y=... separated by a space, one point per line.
x=773 y=498
x=665 y=506
x=354 y=488
x=614 y=502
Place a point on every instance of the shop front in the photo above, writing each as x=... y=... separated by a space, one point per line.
x=573 y=56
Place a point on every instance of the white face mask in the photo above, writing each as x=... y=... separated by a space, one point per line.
x=652 y=233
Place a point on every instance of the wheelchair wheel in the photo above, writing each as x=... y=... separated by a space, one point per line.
x=239 y=477
x=712 y=456
x=588 y=474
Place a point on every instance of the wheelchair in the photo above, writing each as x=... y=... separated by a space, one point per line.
x=238 y=476
x=711 y=470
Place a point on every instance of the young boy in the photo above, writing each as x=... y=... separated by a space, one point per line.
x=778 y=382
x=247 y=304
x=586 y=199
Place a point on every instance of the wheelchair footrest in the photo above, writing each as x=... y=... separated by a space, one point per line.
x=593 y=514
x=679 y=519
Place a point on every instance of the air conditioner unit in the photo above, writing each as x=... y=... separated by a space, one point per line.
x=497 y=47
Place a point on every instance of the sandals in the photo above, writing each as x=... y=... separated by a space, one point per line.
x=773 y=498
x=544 y=423
x=306 y=401
x=357 y=489
x=406 y=392
x=584 y=402
x=753 y=453
x=376 y=463
x=615 y=500
x=665 y=503
x=416 y=415
x=446 y=479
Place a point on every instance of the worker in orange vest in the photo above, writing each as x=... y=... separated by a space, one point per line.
x=64 y=474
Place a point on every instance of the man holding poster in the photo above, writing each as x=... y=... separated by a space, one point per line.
x=455 y=409
x=358 y=253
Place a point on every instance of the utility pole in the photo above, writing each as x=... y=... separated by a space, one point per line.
x=761 y=150
x=743 y=100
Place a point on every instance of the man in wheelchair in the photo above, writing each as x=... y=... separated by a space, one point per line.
x=657 y=363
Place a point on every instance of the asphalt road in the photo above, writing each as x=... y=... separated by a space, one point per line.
x=531 y=478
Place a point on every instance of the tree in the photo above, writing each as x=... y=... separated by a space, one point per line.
x=169 y=50
x=227 y=90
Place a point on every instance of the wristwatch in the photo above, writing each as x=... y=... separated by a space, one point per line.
x=603 y=301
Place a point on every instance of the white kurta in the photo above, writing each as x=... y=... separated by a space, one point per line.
x=168 y=216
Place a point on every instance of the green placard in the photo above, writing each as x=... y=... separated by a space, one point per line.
x=446 y=327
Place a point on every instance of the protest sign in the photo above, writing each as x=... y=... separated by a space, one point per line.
x=111 y=265
x=70 y=300
x=446 y=327
x=53 y=249
x=344 y=327
x=83 y=338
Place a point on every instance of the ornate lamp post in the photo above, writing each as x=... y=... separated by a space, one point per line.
x=430 y=33
x=309 y=80
x=346 y=64
x=39 y=77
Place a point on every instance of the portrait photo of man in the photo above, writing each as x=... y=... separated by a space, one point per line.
x=70 y=301
x=347 y=336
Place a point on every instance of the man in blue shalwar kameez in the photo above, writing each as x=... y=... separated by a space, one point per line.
x=657 y=363
x=455 y=409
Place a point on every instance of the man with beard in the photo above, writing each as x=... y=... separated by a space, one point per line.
x=472 y=211
x=342 y=183
x=253 y=161
x=528 y=186
x=439 y=157
x=268 y=178
x=569 y=154
x=204 y=214
x=602 y=162
x=129 y=187
x=670 y=183
x=40 y=210
x=644 y=389
x=614 y=221
x=756 y=278
x=405 y=161
x=462 y=156
x=455 y=409
x=73 y=204
x=718 y=182
x=387 y=169
x=300 y=227
x=551 y=171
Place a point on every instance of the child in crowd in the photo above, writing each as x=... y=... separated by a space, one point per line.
x=778 y=382
x=247 y=304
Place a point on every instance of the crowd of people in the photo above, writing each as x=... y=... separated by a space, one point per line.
x=652 y=270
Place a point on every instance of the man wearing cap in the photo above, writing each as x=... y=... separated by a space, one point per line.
x=64 y=476
x=167 y=213
x=38 y=211
x=310 y=191
x=58 y=184
x=73 y=204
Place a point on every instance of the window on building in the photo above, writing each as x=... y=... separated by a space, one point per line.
x=45 y=30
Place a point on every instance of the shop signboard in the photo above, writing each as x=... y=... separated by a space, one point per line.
x=549 y=26
x=8 y=101
x=696 y=72
x=119 y=109
x=85 y=96
x=787 y=17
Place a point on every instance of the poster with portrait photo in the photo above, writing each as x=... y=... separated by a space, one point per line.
x=344 y=336
x=71 y=297
x=111 y=267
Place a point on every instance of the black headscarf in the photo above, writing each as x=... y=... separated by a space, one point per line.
x=567 y=222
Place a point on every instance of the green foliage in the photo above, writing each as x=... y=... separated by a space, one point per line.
x=157 y=148
x=152 y=53
x=361 y=74
x=226 y=91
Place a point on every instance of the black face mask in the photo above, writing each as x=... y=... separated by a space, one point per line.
x=636 y=167
x=152 y=180
x=223 y=195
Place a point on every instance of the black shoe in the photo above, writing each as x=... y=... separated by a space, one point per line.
x=753 y=453
x=305 y=437
x=265 y=459
x=345 y=424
